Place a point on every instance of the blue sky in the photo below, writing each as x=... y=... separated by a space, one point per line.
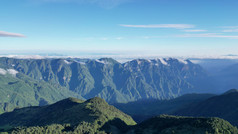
x=139 y=27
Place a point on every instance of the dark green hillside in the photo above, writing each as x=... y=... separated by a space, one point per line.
x=143 y=109
x=95 y=116
x=224 y=106
x=22 y=91
x=71 y=112
x=114 y=81
x=183 y=125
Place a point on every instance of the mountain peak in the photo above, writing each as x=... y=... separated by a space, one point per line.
x=107 y=60
x=68 y=102
x=231 y=91
x=96 y=100
x=72 y=99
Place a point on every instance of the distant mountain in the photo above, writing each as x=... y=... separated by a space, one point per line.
x=72 y=116
x=183 y=125
x=223 y=106
x=222 y=72
x=231 y=91
x=215 y=66
x=227 y=78
x=144 y=109
x=114 y=81
x=19 y=90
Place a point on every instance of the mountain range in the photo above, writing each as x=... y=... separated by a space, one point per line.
x=113 y=81
x=34 y=96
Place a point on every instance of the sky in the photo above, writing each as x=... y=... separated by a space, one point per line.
x=119 y=27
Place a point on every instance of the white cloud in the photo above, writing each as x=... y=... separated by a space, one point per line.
x=230 y=29
x=12 y=72
x=7 y=34
x=208 y=35
x=24 y=56
x=176 y=26
x=195 y=30
x=3 y=71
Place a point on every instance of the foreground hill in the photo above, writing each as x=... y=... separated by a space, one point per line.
x=69 y=114
x=96 y=116
x=143 y=109
x=114 y=81
x=223 y=106
x=19 y=90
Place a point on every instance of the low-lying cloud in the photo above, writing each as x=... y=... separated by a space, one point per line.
x=8 y=71
x=7 y=34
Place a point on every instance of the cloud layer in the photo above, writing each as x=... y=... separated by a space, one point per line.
x=176 y=26
x=7 y=34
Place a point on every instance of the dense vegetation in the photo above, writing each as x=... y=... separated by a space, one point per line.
x=223 y=106
x=143 y=109
x=96 y=116
x=183 y=125
x=114 y=81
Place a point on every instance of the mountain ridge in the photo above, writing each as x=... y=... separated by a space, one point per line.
x=223 y=106
x=162 y=78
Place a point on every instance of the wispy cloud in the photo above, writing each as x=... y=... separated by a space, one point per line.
x=102 y=3
x=176 y=26
x=195 y=30
x=231 y=30
x=119 y=38
x=208 y=35
x=230 y=27
x=7 y=34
